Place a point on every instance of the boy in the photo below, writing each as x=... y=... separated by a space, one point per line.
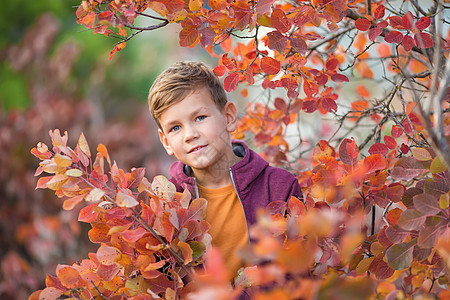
x=195 y=123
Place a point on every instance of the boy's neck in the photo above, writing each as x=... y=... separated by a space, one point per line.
x=217 y=176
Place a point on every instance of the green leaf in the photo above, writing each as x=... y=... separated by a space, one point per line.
x=400 y=256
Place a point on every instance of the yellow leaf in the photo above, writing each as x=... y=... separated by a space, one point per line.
x=74 y=173
x=62 y=160
x=41 y=147
x=51 y=167
x=444 y=201
x=264 y=20
x=163 y=188
x=95 y=195
x=349 y=243
x=194 y=5
x=376 y=248
x=437 y=166
x=125 y=200
x=56 y=182
x=364 y=265
x=82 y=143
x=421 y=154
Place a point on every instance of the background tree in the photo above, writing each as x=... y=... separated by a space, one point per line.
x=382 y=205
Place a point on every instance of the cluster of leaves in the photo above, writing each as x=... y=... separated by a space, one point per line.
x=328 y=246
x=36 y=235
x=151 y=237
x=300 y=46
x=372 y=224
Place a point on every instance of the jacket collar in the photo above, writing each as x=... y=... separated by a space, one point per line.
x=243 y=172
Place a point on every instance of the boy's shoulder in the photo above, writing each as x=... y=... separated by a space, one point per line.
x=253 y=166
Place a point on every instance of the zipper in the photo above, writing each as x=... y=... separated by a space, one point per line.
x=242 y=205
x=197 y=194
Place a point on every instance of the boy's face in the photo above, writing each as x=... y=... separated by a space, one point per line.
x=197 y=132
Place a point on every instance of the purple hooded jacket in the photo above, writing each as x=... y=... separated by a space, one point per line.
x=255 y=181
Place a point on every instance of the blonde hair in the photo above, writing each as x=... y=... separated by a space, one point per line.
x=179 y=81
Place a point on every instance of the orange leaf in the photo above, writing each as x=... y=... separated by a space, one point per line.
x=188 y=36
x=68 y=276
x=72 y=202
x=187 y=251
x=118 y=47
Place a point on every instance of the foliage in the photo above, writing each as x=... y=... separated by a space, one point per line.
x=374 y=222
x=150 y=236
x=35 y=233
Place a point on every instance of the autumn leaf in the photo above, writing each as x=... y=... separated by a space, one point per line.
x=270 y=66
x=362 y=24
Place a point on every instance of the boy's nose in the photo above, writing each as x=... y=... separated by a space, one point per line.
x=190 y=133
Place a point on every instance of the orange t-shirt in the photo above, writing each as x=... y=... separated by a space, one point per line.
x=228 y=225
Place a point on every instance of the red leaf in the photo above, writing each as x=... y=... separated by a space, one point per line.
x=348 y=151
x=396 y=131
x=390 y=142
x=220 y=70
x=276 y=41
x=380 y=268
x=229 y=63
x=230 y=82
x=310 y=106
x=423 y=23
x=299 y=45
x=310 y=88
x=88 y=214
x=375 y=162
x=429 y=236
x=411 y=219
x=407 y=43
x=404 y=148
x=396 y=22
x=328 y=105
x=207 y=36
x=423 y=40
x=408 y=20
x=280 y=104
x=276 y=207
x=280 y=21
x=394 y=36
x=374 y=32
x=379 y=11
x=270 y=66
x=331 y=63
x=339 y=77
x=362 y=24
x=427 y=204
x=395 y=191
x=188 y=35
x=379 y=148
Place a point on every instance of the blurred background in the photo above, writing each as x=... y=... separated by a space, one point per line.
x=56 y=74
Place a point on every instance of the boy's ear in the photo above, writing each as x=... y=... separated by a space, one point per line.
x=230 y=113
x=164 y=142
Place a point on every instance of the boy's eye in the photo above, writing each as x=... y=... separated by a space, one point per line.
x=200 y=118
x=175 y=128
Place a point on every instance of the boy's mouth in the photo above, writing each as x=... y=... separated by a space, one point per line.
x=195 y=149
